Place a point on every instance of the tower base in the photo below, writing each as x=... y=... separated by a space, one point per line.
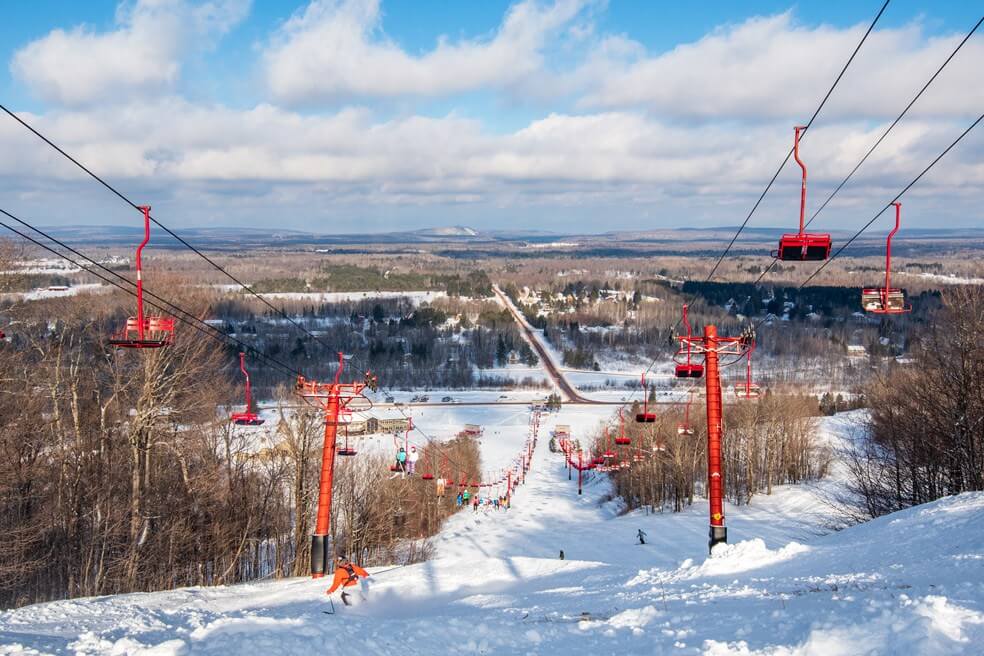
x=717 y=535
x=319 y=555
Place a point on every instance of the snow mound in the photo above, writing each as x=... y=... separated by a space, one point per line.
x=726 y=559
x=929 y=625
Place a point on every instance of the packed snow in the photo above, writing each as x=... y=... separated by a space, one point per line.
x=907 y=583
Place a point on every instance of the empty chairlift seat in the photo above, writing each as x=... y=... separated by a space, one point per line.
x=802 y=246
x=690 y=370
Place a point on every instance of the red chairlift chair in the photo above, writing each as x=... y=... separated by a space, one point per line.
x=802 y=246
x=608 y=454
x=886 y=300
x=622 y=439
x=247 y=417
x=688 y=369
x=748 y=390
x=141 y=331
x=645 y=417
x=685 y=428
x=346 y=450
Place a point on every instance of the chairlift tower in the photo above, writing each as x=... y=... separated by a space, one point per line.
x=334 y=398
x=713 y=347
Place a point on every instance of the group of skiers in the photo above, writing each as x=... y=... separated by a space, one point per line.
x=466 y=498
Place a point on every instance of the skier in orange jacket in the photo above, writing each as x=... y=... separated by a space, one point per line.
x=346 y=575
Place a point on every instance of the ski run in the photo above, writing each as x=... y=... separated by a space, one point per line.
x=907 y=583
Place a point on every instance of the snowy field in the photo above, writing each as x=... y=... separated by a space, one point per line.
x=416 y=297
x=43 y=293
x=908 y=583
x=949 y=279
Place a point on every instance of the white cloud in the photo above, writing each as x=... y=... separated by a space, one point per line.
x=772 y=67
x=627 y=153
x=336 y=49
x=626 y=159
x=143 y=54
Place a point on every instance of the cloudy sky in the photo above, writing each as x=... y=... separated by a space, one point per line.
x=561 y=115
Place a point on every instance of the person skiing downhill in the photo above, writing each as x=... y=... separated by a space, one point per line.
x=412 y=458
x=347 y=575
x=642 y=536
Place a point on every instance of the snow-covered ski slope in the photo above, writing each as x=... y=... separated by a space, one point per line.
x=909 y=583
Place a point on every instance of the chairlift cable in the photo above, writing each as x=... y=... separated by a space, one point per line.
x=881 y=138
x=162 y=301
x=170 y=232
x=775 y=176
x=196 y=323
x=806 y=129
x=888 y=205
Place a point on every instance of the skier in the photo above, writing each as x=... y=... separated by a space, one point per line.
x=465 y=497
x=561 y=554
x=475 y=503
x=459 y=500
x=401 y=460
x=412 y=458
x=346 y=575
x=642 y=536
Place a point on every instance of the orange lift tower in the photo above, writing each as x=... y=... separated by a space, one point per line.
x=334 y=397
x=713 y=347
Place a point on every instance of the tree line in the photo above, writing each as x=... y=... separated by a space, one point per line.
x=765 y=443
x=120 y=472
x=923 y=436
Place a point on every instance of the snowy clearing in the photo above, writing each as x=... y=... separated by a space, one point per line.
x=908 y=583
x=416 y=297
x=57 y=292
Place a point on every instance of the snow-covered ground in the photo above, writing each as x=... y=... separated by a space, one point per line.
x=908 y=583
x=42 y=293
x=416 y=297
x=949 y=279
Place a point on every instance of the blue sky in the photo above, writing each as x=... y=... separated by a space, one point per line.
x=338 y=115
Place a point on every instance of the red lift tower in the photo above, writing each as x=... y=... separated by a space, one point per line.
x=333 y=397
x=713 y=347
